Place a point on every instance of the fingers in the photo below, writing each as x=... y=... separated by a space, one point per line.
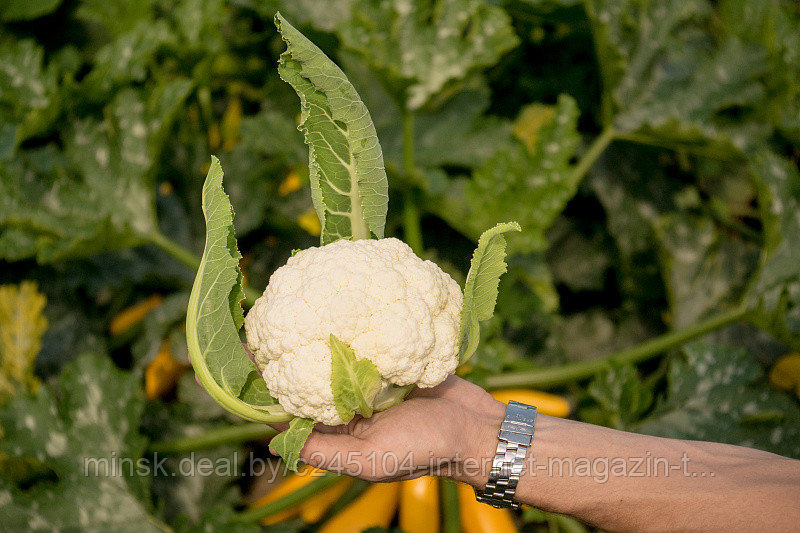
x=340 y=453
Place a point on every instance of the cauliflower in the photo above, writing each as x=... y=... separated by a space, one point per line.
x=391 y=307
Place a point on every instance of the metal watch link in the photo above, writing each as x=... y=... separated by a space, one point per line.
x=516 y=435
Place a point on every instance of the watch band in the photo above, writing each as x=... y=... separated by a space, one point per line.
x=515 y=435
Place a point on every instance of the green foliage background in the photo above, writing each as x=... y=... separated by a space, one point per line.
x=649 y=150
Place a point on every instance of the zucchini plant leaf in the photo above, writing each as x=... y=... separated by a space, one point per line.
x=718 y=392
x=704 y=271
x=22 y=325
x=348 y=182
x=16 y=10
x=621 y=398
x=97 y=195
x=775 y=296
x=214 y=316
x=480 y=290
x=82 y=429
x=531 y=180
x=29 y=92
x=419 y=48
x=354 y=382
x=667 y=78
x=528 y=178
x=289 y=443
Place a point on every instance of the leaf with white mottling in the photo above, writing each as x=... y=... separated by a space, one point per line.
x=421 y=48
x=718 y=393
x=83 y=429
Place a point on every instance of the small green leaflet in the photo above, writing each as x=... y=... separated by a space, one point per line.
x=290 y=443
x=215 y=316
x=480 y=291
x=354 y=382
x=348 y=182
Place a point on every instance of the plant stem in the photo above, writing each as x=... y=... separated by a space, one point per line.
x=411 y=217
x=595 y=150
x=177 y=251
x=412 y=231
x=547 y=377
x=216 y=437
x=450 y=514
x=290 y=500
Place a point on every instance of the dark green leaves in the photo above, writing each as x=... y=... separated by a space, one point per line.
x=480 y=291
x=29 y=100
x=97 y=194
x=290 y=443
x=15 y=10
x=420 y=48
x=82 y=430
x=704 y=271
x=531 y=180
x=354 y=382
x=348 y=182
x=669 y=79
x=718 y=393
x=215 y=316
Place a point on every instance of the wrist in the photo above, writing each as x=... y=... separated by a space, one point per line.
x=477 y=444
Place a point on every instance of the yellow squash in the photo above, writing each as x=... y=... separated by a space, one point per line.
x=545 y=403
x=162 y=373
x=305 y=475
x=314 y=508
x=785 y=375
x=374 y=508
x=419 y=505
x=479 y=517
x=134 y=314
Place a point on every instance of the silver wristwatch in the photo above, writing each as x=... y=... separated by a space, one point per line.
x=516 y=435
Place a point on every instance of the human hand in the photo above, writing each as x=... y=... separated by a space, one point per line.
x=429 y=433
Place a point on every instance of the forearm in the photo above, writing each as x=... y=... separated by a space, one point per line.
x=623 y=481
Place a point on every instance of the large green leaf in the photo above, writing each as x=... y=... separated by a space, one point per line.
x=97 y=195
x=775 y=296
x=480 y=290
x=703 y=270
x=214 y=316
x=669 y=79
x=463 y=117
x=354 y=382
x=348 y=182
x=126 y=59
x=633 y=192
x=773 y=25
x=15 y=10
x=29 y=93
x=420 y=48
x=718 y=393
x=85 y=430
x=529 y=181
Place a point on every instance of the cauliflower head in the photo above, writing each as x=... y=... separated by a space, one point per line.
x=391 y=307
